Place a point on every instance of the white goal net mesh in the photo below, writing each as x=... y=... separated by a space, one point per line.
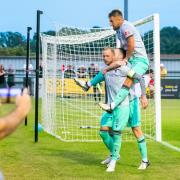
x=68 y=112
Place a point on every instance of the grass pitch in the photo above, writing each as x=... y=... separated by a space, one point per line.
x=22 y=159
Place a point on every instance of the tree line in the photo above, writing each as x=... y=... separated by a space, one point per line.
x=14 y=43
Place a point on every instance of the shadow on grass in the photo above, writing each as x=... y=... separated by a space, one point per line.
x=79 y=157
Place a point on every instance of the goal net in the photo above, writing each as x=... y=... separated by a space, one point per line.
x=68 y=112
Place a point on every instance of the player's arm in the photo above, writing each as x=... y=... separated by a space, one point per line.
x=128 y=33
x=126 y=86
x=129 y=53
x=116 y=64
x=143 y=98
x=129 y=81
x=130 y=49
x=11 y=121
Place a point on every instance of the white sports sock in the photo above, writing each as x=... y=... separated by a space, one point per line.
x=145 y=160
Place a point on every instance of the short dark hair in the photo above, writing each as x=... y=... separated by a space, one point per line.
x=149 y=71
x=123 y=51
x=115 y=12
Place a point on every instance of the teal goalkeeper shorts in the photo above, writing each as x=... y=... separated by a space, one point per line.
x=117 y=120
x=139 y=65
x=134 y=114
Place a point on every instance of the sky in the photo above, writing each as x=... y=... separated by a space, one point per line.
x=16 y=15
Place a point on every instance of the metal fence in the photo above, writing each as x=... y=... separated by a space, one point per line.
x=170 y=84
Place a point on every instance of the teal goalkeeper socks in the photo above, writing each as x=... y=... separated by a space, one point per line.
x=122 y=94
x=107 y=139
x=116 y=146
x=97 y=79
x=142 y=148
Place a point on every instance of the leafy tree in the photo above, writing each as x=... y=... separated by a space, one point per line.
x=170 y=40
x=14 y=43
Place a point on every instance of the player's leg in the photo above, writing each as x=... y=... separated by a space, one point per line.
x=120 y=119
x=139 y=67
x=99 y=96
x=116 y=149
x=93 y=82
x=142 y=147
x=95 y=92
x=135 y=122
x=106 y=124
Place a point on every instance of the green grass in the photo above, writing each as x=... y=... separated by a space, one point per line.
x=72 y=113
x=21 y=158
x=171 y=121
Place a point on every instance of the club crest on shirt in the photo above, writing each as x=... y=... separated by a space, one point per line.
x=126 y=33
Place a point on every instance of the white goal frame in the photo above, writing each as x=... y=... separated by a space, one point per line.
x=47 y=120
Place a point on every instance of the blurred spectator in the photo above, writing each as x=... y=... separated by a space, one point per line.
x=10 y=79
x=81 y=72
x=30 y=72
x=69 y=72
x=150 y=80
x=30 y=68
x=151 y=83
x=92 y=71
x=2 y=77
x=40 y=70
x=163 y=71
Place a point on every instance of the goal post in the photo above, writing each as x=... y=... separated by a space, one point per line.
x=156 y=67
x=73 y=115
x=157 y=77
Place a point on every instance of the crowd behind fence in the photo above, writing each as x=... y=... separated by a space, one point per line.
x=14 y=68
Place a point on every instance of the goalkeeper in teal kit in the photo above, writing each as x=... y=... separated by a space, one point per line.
x=121 y=114
x=116 y=120
x=134 y=119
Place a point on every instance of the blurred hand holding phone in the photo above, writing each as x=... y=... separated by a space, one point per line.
x=8 y=95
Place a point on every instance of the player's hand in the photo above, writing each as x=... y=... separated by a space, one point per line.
x=23 y=102
x=144 y=102
x=104 y=71
x=125 y=59
x=105 y=107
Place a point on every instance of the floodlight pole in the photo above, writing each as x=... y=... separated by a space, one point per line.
x=37 y=72
x=27 y=61
x=126 y=10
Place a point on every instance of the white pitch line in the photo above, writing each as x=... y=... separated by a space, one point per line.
x=165 y=144
x=170 y=146
x=88 y=112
